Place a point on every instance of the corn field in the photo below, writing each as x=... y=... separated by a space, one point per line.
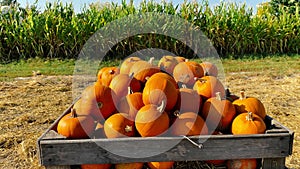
x=233 y=29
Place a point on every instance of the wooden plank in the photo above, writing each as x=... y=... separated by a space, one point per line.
x=73 y=152
x=273 y=163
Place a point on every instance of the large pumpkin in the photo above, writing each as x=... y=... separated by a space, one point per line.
x=119 y=125
x=189 y=124
x=242 y=164
x=106 y=74
x=74 y=126
x=161 y=89
x=249 y=104
x=188 y=100
x=127 y=63
x=143 y=70
x=131 y=104
x=183 y=74
x=218 y=113
x=167 y=63
x=161 y=165
x=97 y=100
x=163 y=75
x=208 y=86
x=248 y=123
x=152 y=120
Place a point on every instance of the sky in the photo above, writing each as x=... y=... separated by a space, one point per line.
x=78 y=4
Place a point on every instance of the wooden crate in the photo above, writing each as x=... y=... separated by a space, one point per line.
x=55 y=151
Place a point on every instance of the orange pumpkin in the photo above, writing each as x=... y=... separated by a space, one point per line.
x=161 y=165
x=74 y=126
x=161 y=75
x=106 y=74
x=188 y=100
x=161 y=89
x=189 y=124
x=129 y=166
x=249 y=104
x=127 y=63
x=96 y=166
x=183 y=74
x=209 y=69
x=143 y=70
x=180 y=59
x=167 y=63
x=248 y=123
x=152 y=120
x=119 y=125
x=218 y=113
x=120 y=84
x=97 y=101
x=242 y=164
x=131 y=104
x=208 y=86
x=196 y=68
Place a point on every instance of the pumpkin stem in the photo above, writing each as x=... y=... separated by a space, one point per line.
x=184 y=86
x=249 y=117
x=218 y=96
x=100 y=105
x=151 y=60
x=176 y=113
x=186 y=60
x=162 y=106
x=73 y=113
x=128 y=128
x=111 y=71
x=129 y=90
x=131 y=75
x=243 y=96
x=201 y=80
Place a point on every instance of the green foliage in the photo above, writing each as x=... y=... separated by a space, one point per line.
x=286 y=5
x=58 y=32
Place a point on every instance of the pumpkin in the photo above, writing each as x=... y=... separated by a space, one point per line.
x=242 y=164
x=143 y=70
x=120 y=84
x=189 y=124
x=180 y=59
x=218 y=113
x=248 y=123
x=207 y=86
x=183 y=74
x=152 y=120
x=131 y=104
x=74 y=126
x=119 y=125
x=129 y=165
x=161 y=75
x=195 y=68
x=188 y=100
x=249 y=104
x=95 y=166
x=209 y=69
x=161 y=165
x=106 y=74
x=97 y=101
x=127 y=63
x=157 y=90
x=167 y=64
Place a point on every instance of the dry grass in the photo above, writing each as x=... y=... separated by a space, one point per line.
x=28 y=106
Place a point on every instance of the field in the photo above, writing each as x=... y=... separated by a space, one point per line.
x=29 y=105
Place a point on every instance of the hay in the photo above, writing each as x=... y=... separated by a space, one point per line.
x=28 y=106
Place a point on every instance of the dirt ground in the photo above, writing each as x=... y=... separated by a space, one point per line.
x=28 y=106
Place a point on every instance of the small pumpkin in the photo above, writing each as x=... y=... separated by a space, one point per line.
x=152 y=120
x=127 y=63
x=119 y=125
x=131 y=104
x=189 y=124
x=167 y=63
x=95 y=166
x=161 y=165
x=143 y=70
x=242 y=164
x=161 y=89
x=74 y=126
x=249 y=104
x=188 y=100
x=129 y=165
x=248 y=123
x=180 y=59
x=218 y=113
x=209 y=69
x=183 y=74
x=208 y=86
x=106 y=74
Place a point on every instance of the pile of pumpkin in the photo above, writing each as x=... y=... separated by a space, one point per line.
x=174 y=97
